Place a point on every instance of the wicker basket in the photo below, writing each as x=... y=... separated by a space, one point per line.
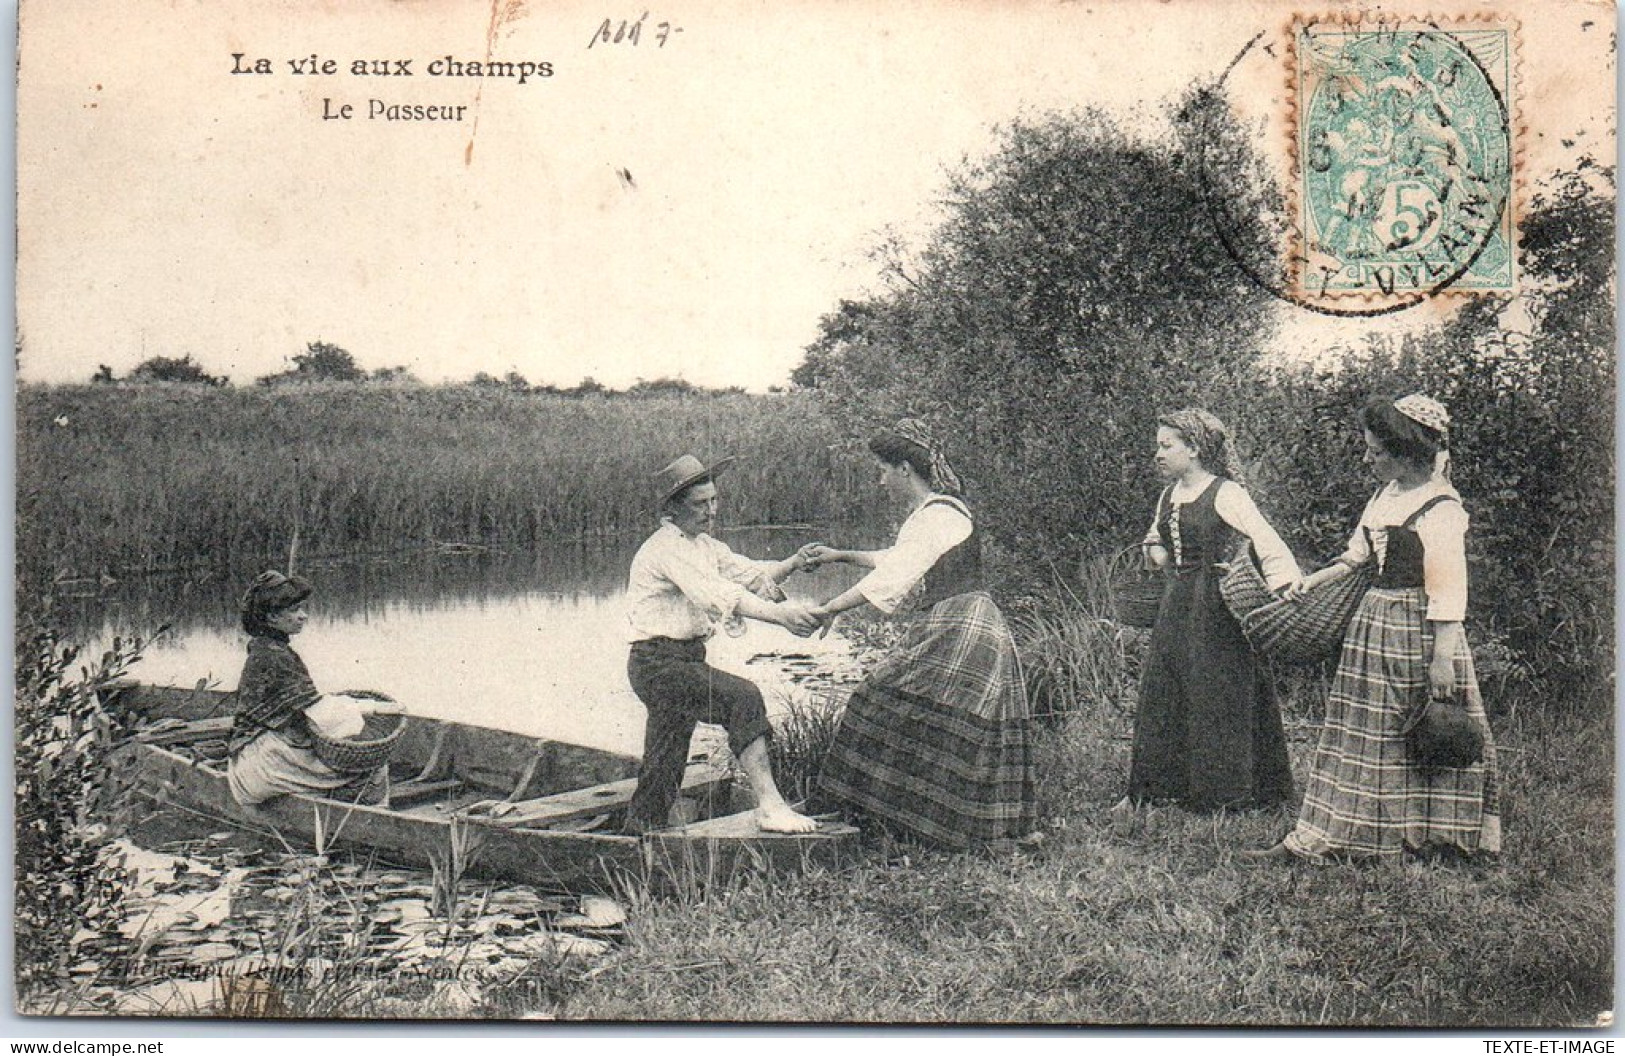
x=1307 y=629
x=1136 y=591
x=363 y=753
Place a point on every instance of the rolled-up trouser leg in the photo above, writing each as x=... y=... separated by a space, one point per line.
x=679 y=689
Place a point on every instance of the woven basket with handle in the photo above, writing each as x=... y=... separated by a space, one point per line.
x=364 y=752
x=1136 y=591
x=1304 y=630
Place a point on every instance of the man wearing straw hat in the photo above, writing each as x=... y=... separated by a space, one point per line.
x=683 y=584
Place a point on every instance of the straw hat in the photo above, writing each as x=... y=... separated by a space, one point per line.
x=686 y=471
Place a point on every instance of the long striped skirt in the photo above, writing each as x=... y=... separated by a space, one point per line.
x=1364 y=796
x=936 y=741
x=268 y=766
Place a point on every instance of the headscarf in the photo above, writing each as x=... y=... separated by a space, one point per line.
x=1425 y=410
x=943 y=477
x=1208 y=437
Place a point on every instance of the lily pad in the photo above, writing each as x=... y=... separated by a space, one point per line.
x=209 y=952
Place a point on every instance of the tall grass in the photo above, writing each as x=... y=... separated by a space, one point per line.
x=1074 y=656
x=803 y=734
x=122 y=479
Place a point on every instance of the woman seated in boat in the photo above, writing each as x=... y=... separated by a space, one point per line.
x=279 y=712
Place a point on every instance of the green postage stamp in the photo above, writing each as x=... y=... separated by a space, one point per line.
x=1405 y=157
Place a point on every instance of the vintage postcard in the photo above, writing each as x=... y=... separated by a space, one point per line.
x=954 y=512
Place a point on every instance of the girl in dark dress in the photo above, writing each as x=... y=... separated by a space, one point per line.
x=1207 y=732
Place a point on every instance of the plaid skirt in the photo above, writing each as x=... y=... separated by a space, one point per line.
x=1364 y=797
x=936 y=741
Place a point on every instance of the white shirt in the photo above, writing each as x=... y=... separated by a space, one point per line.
x=929 y=532
x=684 y=586
x=1236 y=508
x=1443 y=531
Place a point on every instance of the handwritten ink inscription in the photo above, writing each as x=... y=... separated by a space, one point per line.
x=631 y=31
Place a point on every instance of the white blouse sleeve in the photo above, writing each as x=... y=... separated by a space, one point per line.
x=1152 y=536
x=929 y=532
x=1358 y=552
x=1443 y=531
x=1238 y=510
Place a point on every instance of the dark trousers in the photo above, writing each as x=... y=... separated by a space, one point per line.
x=680 y=689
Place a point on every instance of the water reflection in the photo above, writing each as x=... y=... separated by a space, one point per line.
x=529 y=642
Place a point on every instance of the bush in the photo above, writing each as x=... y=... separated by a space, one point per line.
x=320 y=361
x=182 y=371
x=1075 y=289
x=68 y=876
x=1532 y=441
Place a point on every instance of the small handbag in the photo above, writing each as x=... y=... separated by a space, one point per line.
x=1440 y=734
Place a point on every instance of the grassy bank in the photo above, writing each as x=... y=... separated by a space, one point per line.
x=122 y=479
x=1165 y=926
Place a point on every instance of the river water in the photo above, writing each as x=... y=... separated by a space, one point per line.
x=533 y=642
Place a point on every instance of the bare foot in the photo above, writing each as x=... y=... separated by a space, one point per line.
x=1280 y=852
x=780 y=818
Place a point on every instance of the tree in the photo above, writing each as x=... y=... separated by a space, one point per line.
x=588 y=386
x=320 y=361
x=663 y=387
x=394 y=375
x=182 y=371
x=1075 y=288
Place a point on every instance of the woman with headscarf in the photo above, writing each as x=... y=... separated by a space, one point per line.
x=1207 y=731
x=1366 y=796
x=270 y=748
x=935 y=742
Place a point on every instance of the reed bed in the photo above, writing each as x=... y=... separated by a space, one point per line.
x=114 y=480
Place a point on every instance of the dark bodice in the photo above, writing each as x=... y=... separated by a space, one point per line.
x=959 y=571
x=1193 y=533
x=1401 y=565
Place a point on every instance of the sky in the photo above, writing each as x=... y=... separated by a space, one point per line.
x=686 y=208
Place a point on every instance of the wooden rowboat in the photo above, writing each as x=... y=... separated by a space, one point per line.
x=483 y=802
